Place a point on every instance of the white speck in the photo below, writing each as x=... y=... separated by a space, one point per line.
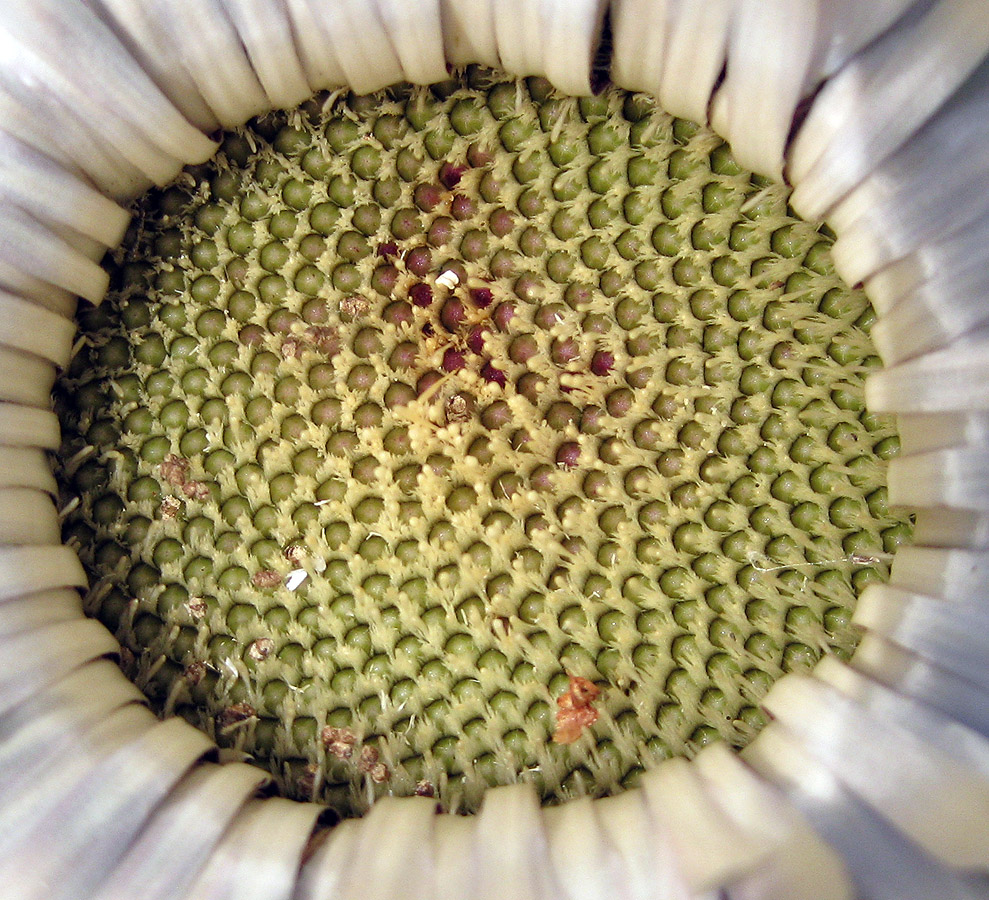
x=320 y=566
x=448 y=279
x=295 y=578
x=863 y=559
x=322 y=502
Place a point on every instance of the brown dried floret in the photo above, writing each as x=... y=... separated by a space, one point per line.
x=293 y=347
x=194 y=672
x=294 y=554
x=369 y=764
x=355 y=306
x=339 y=742
x=575 y=712
x=308 y=782
x=425 y=789
x=174 y=469
x=196 y=490
x=232 y=715
x=324 y=338
x=261 y=648
x=170 y=507
x=266 y=578
x=368 y=759
x=196 y=607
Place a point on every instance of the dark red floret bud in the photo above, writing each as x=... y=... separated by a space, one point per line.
x=450 y=175
x=426 y=381
x=475 y=339
x=421 y=294
x=424 y=788
x=501 y=222
x=490 y=373
x=481 y=297
x=453 y=360
x=440 y=232
x=602 y=362
x=251 y=335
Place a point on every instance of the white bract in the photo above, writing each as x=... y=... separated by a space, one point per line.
x=873 y=780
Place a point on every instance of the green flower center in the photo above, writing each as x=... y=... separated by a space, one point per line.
x=405 y=409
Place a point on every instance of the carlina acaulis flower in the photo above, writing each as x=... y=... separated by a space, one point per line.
x=451 y=437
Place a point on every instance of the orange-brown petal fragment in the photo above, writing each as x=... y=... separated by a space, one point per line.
x=571 y=722
x=583 y=691
x=575 y=712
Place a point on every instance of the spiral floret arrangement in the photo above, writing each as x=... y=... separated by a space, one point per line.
x=408 y=408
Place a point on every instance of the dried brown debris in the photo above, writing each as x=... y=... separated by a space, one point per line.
x=195 y=490
x=370 y=764
x=266 y=578
x=339 y=742
x=174 y=469
x=170 y=507
x=261 y=648
x=575 y=712
x=232 y=715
